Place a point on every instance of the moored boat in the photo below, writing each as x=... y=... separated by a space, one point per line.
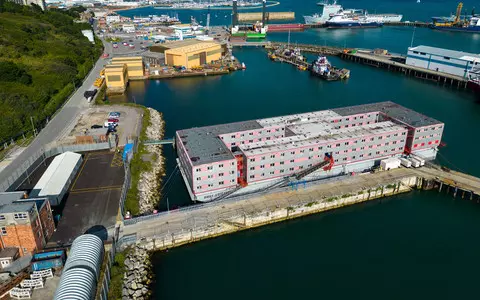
x=322 y=68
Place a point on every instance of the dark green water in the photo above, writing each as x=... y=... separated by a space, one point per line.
x=416 y=246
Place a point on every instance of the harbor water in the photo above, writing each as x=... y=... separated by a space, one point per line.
x=419 y=245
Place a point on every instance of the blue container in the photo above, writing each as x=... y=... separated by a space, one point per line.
x=48 y=260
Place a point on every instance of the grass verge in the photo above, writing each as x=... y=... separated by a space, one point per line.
x=116 y=275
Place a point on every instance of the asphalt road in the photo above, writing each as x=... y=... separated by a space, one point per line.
x=64 y=119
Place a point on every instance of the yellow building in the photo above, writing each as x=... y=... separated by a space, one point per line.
x=116 y=76
x=191 y=53
x=134 y=65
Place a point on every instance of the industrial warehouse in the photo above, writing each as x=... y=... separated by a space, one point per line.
x=190 y=53
x=245 y=157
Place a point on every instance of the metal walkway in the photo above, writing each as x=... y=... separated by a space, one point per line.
x=159 y=142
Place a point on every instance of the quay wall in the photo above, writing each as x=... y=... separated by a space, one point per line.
x=268 y=215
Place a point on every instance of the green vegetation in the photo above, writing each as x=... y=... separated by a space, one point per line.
x=43 y=56
x=138 y=165
x=116 y=276
x=391 y=186
x=331 y=199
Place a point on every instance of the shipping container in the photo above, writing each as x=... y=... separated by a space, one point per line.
x=390 y=163
x=415 y=163
x=48 y=260
x=405 y=162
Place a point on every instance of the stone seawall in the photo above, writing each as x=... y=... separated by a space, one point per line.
x=266 y=216
x=149 y=183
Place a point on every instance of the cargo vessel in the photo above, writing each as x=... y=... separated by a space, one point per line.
x=322 y=68
x=457 y=22
x=347 y=21
x=285 y=27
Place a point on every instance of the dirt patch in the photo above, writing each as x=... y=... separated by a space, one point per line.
x=128 y=125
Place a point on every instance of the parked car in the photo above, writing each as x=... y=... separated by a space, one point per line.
x=112 y=120
x=105 y=55
x=132 y=46
x=110 y=124
x=96 y=126
x=125 y=43
x=114 y=114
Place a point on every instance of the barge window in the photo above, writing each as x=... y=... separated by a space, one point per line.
x=423 y=53
x=415 y=52
x=446 y=57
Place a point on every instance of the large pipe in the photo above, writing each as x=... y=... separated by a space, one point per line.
x=264 y=12
x=234 y=14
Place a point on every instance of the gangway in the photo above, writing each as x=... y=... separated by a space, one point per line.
x=326 y=164
x=159 y=142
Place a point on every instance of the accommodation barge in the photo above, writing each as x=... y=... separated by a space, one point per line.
x=252 y=156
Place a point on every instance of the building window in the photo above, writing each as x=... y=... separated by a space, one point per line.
x=233 y=163
x=210 y=176
x=220 y=166
x=283 y=154
x=210 y=185
x=209 y=168
x=262 y=166
x=263 y=157
x=272 y=172
x=281 y=171
x=252 y=176
x=293 y=152
x=20 y=216
x=250 y=133
x=272 y=165
x=198 y=169
x=292 y=161
x=252 y=159
x=252 y=168
x=4 y=230
x=220 y=174
x=221 y=183
x=2 y=217
x=272 y=156
x=232 y=136
x=250 y=141
x=291 y=169
x=199 y=178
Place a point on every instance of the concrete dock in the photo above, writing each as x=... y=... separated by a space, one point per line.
x=198 y=222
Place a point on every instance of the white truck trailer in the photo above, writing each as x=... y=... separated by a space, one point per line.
x=405 y=162
x=415 y=163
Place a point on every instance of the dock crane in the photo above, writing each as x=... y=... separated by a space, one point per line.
x=458 y=13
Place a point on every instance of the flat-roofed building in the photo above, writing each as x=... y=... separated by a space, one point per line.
x=443 y=60
x=244 y=157
x=116 y=76
x=190 y=53
x=26 y=224
x=134 y=65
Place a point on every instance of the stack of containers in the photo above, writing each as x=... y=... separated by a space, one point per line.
x=82 y=269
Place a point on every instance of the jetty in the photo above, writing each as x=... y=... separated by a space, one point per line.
x=197 y=222
x=397 y=63
x=378 y=58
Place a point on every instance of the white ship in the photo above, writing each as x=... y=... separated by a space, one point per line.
x=329 y=10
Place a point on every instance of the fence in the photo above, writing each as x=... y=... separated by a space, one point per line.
x=24 y=171
x=105 y=279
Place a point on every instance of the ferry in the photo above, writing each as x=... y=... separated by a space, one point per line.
x=348 y=21
x=329 y=10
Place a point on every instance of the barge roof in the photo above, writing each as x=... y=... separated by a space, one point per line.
x=311 y=134
x=392 y=110
x=204 y=145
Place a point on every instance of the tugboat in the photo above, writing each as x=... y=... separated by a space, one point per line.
x=323 y=69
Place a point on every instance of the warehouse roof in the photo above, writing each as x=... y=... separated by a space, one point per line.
x=126 y=58
x=57 y=174
x=392 y=110
x=115 y=66
x=203 y=144
x=446 y=52
x=193 y=46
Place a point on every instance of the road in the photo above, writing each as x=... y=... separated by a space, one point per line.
x=63 y=120
x=179 y=221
